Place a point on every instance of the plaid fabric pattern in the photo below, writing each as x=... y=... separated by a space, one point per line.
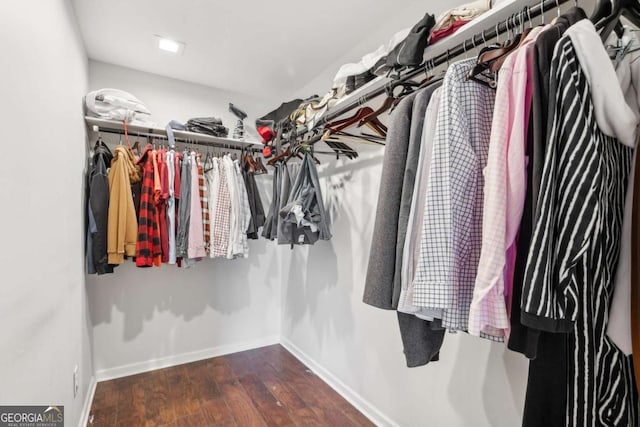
x=222 y=224
x=213 y=182
x=204 y=200
x=148 y=244
x=452 y=224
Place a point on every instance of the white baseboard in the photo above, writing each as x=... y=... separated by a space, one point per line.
x=88 y=400
x=364 y=406
x=179 y=359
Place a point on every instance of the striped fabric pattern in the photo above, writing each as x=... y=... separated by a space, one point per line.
x=204 y=200
x=575 y=248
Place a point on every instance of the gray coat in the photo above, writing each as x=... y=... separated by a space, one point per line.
x=421 y=339
x=379 y=284
x=420 y=104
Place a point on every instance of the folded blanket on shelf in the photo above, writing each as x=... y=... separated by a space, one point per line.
x=207 y=125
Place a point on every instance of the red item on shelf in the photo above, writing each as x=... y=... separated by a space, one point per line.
x=266 y=133
x=447 y=31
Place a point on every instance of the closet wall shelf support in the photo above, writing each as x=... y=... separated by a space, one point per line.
x=115 y=127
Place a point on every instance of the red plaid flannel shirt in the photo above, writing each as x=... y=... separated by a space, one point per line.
x=148 y=244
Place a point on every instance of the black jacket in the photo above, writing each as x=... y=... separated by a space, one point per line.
x=98 y=204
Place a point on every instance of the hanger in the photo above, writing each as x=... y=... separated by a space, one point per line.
x=136 y=147
x=336 y=146
x=491 y=59
x=607 y=15
x=390 y=102
x=342 y=137
x=297 y=151
x=507 y=48
x=360 y=114
x=521 y=37
x=478 y=72
x=275 y=159
x=260 y=167
x=338 y=127
x=100 y=141
x=208 y=160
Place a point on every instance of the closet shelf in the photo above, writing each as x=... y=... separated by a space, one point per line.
x=112 y=126
x=448 y=47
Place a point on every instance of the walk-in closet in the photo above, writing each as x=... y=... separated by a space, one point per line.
x=346 y=214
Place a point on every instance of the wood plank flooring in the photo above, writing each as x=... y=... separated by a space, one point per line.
x=256 y=388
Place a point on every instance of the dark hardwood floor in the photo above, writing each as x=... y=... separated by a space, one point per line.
x=262 y=387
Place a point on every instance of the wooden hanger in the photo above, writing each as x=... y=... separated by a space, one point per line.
x=362 y=113
x=260 y=167
x=279 y=157
x=349 y=121
x=492 y=57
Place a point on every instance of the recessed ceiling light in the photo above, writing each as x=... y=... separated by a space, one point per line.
x=169 y=45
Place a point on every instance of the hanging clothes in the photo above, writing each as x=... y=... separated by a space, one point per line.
x=452 y=228
x=221 y=224
x=123 y=224
x=212 y=175
x=411 y=248
x=379 y=288
x=619 y=327
x=504 y=193
x=184 y=207
x=290 y=173
x=421 y=337
x=270 y=230
x=157 y=201
x=255 y=205
x=204 y=198
x=546 y=397
x=148 y=248
x=305 y=208
x=162 y=196
x=245 y=211
x=587 y=162
x=171 y=205
x=522 y=339
x=98 y=260
x=234 y=208
x=195 y=239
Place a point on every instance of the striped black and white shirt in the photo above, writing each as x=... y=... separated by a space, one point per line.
x=575 y=247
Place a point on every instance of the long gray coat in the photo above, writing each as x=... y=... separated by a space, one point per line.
x=421 y=340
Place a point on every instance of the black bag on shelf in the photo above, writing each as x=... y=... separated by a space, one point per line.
x=410 y=52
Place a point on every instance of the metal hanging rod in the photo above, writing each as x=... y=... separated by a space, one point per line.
x=514 y=21
x=180 y=140
x=183 y=137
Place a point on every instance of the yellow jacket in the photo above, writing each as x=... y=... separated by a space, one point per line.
x=122 y=226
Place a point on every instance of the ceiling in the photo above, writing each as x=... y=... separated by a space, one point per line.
x=262 y=48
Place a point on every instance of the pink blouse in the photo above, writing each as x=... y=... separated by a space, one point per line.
x=504 y=193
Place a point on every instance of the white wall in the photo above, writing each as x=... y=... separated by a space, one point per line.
x=475 y=383
x=171 y=99
x=145 y=318
x=42 y=296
